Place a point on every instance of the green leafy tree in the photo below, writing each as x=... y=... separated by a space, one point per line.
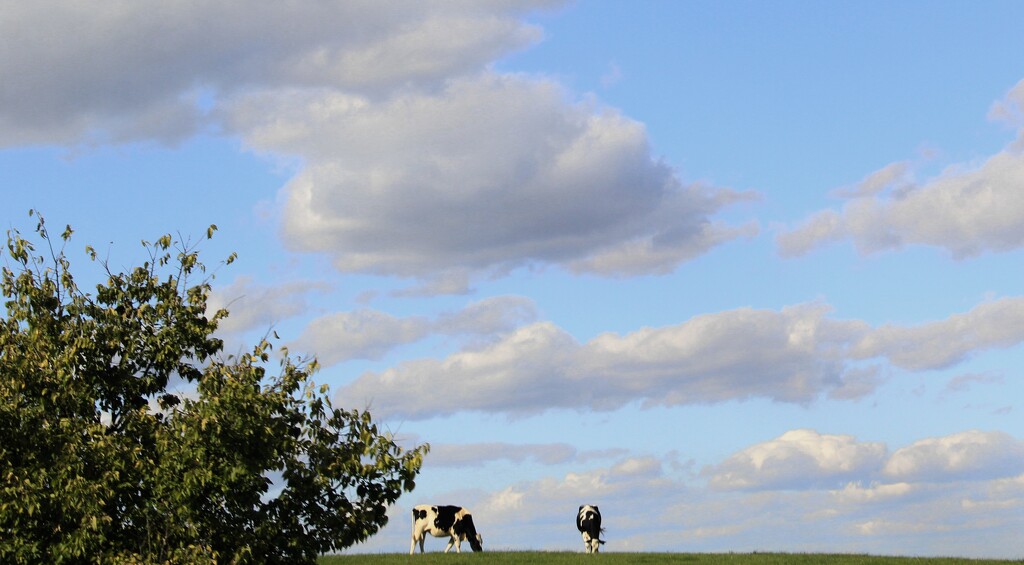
x=102 y=460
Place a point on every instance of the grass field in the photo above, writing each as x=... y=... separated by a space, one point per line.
x=567 y=558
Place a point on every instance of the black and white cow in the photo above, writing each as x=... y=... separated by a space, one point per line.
x=588 y=522
x=454 y=522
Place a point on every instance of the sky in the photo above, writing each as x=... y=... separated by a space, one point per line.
x=745 y=275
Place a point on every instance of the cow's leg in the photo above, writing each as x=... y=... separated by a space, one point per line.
x=412 y=546
x=596 y=544
x=451 y=542
x=586 y=541
x=423 y=538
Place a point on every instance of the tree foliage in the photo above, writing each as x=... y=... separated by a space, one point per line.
x=103 y=458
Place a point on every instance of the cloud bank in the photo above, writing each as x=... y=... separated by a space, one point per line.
x=796 y=355
x=802 y=491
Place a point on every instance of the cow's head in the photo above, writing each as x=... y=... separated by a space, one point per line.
x=464 y=526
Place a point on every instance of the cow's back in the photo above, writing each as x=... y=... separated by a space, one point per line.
x=445 y=517
x=588 y=519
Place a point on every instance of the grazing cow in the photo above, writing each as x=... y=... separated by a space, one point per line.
x=454 y=522
x=588 y=522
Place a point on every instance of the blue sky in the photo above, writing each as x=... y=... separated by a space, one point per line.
x=746 y=275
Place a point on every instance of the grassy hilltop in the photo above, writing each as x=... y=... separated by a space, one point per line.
x=569 y=558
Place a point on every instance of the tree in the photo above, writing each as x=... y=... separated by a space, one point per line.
x=103 y=459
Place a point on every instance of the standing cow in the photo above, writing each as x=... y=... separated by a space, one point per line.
x=588 y=522
x=454 y=522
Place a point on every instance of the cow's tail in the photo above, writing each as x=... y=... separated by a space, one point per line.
x=599 y=534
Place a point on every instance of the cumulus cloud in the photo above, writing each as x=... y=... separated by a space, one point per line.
x=791 y=355
x=448 y=281
x=646 y=508
x=255 y=306
x=616 y=482
x=966 y=210
x=967 y=455
x=498 y=314
x=372 y=334
x=856 y=493
x=796 y=354
x=129 y=70
x=798 y=459
x=807 y=459
x=475 y=454
x=858 y=382
x=894 y=178
x=363 y=334
x=519 y=373
x=491 y=172
x=788 y=355
x=936 y=345
x=821 y=227
x=417 y=159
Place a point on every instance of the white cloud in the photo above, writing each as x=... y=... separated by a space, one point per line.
x=1010 y=109
x=793 y=355
x=820 y=227
x=450 y=281
x=893 y=178
x=659 y=255
x=647 y=509
x=858 y=382
x=1010 y=488
x=363 y=334
x=499 y=314
x=789 y=355
x=417 y=159
x=995 y=324
x=796 y=354
x=967 y=210
x=254 y=306
x=967 y=455
x=490 y=172
x=475 y=454
x=807 y=459
x=965 y=382
x=855 y=493
x=372 y=334
x=799 y=459
x=126 y=70
x=612 y=485
x=519 y=373
x=781 y=495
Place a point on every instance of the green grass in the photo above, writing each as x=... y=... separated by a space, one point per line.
x=610 y=558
